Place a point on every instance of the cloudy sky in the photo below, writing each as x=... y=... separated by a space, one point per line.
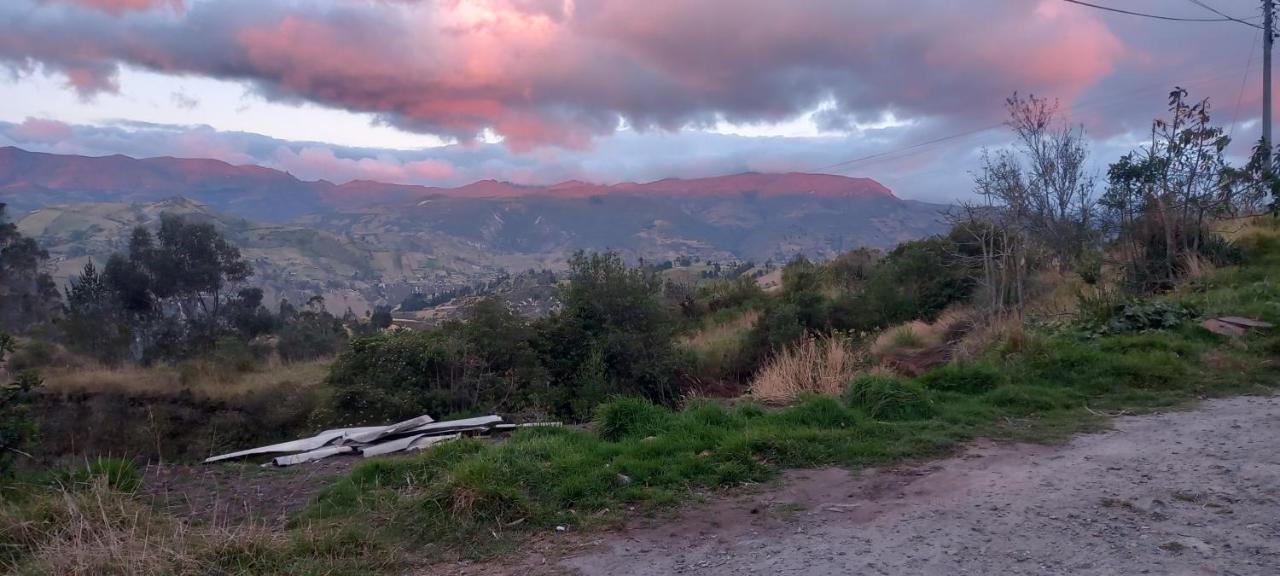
x=445 y=92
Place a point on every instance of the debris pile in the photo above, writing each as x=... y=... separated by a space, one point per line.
x=411 y=435
x=1234 y=326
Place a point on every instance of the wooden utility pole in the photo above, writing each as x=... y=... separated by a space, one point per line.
x=1268 y=38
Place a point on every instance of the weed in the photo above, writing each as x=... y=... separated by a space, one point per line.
x=966 y=378
x=889 y=398
x=630 y=418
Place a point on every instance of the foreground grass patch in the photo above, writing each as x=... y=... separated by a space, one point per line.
x=478 y=499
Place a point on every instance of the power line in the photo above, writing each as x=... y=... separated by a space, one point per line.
x=1156 y=16
x=1094 y=103
x=1228 y=17
x=1235 y=114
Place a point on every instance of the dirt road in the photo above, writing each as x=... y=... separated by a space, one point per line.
x=1180 y=493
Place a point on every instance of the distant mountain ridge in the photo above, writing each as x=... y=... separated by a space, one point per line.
x=364 y=243
x=29 y=180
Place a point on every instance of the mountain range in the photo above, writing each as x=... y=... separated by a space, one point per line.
x=361 y=243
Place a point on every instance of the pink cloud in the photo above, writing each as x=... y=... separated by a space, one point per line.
x=316 y=162
x=117 y=7
x=40 y=130
x=562 y=73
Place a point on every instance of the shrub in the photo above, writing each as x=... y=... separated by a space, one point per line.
x=311 y=335
x=1029 y=399
x=815 y=366
x=885 y=397
x=963 y=378
x=819 y=412
x=33 y=354
x=115 y=473
x=17 y=428
x=630 y=418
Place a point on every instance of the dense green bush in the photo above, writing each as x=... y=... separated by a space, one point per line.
x=311 y=333
x=917 y=280
x=486 y=364
x=966 y=378
x=612 y=331
x=116 y=473
x=885 y=397
x=17 y=428
x=630 y=418
x=1137 y=316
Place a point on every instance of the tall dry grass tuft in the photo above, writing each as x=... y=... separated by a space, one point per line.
x=815 y=366
x=94 y=530
x=717 y=336
x=919 y=334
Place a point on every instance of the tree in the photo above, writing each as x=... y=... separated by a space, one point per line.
x=381 y=318
x=189 y=266
x=27 y=292
x=171 y=289
x=1059 y=191
x=1037 y=199
x=310 y=333
x=94 y=320
x=1159 y=199
x=615 y=311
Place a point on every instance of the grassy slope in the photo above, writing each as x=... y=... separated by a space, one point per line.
x=476 y=499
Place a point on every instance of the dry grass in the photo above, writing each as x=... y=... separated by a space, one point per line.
x=201 y=379
x=92 y=529
x=815 y=366
x=919 y=334
x=97 y=530
x=720 y=335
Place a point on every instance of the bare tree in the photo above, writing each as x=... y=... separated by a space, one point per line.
x=1036 y=197
x=1059 y=194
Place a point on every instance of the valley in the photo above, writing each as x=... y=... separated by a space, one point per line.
x=365 y=244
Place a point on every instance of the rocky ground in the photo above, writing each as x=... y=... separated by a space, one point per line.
x=1179 y=493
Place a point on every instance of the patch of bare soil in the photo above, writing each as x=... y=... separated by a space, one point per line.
x=1195 y=492
x=223 y=494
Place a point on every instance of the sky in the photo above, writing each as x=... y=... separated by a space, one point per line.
x=446 y=92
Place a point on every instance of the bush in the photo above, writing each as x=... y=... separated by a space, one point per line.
x=17 y=428
x=819 y=412
x=1030 y=399
x=116 y=473
x=963 y=378
x=312 y=335
x=1138 y=317
x=630 y=418
x=33 y=354
x=885 y=397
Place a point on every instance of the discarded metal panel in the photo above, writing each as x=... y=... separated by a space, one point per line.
x=311 y=456
x=407 y=436
x=301 y=445
x=387 y=431
x=389 y=446
x=1233 y=326
x=509 y=427
x=428 y=441
x=1223 y=328
x=1247 y=322
x=456 y=425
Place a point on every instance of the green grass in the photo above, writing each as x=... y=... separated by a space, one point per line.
x=475 y=499
x=478 y=500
